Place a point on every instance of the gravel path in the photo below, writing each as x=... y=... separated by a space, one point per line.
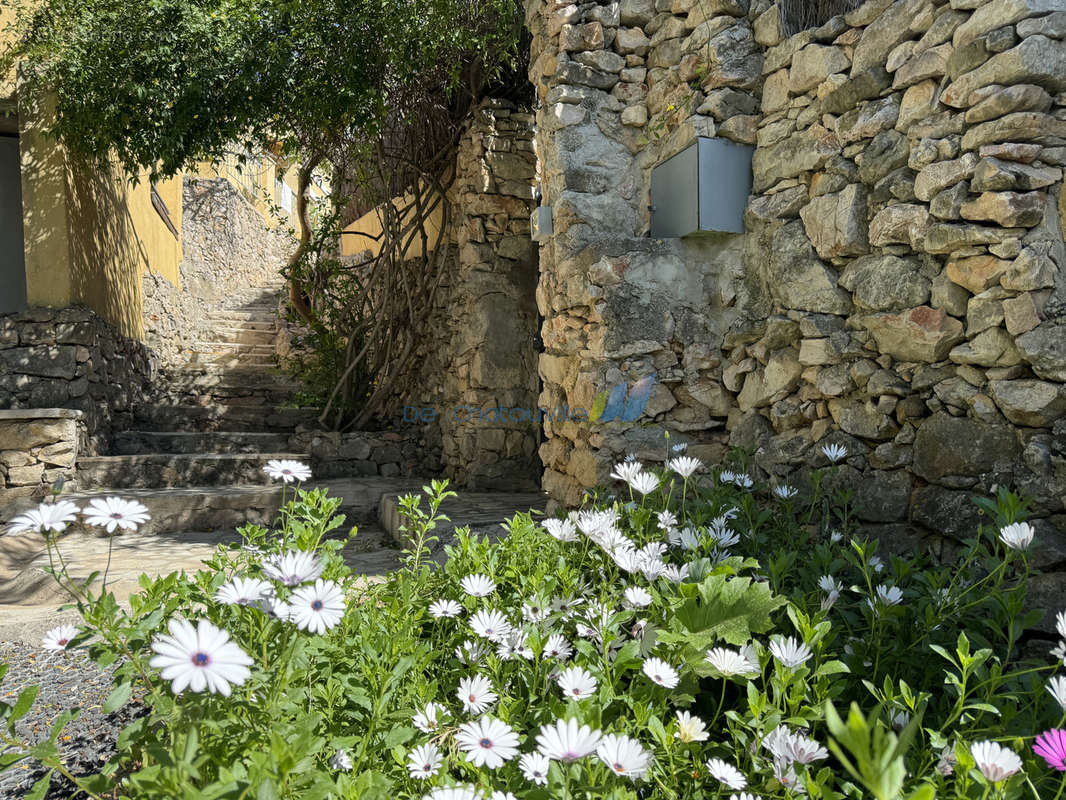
x=67 y=680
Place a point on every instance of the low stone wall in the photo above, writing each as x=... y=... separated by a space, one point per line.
x=227 y=247
x=899 y=286
x=71 y=358
x=38 y=447
x=384 y=454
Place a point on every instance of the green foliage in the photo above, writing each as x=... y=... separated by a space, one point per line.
x=924 y=675
x=163 y=83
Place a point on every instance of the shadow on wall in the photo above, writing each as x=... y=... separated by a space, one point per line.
x=106 y=255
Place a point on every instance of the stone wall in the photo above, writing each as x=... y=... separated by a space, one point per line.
x=227 y=246
x=70 y=358
x=367 y=454
x=481 y=348
x=898 y=287
x=37 y=448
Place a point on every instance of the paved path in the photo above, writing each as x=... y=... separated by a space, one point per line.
x=29 y=597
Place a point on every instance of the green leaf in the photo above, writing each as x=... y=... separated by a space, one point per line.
x=38 y=790
x=728 y=608
x=118 y=697
x=22 y=705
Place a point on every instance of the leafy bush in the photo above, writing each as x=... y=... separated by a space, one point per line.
x=697 y=636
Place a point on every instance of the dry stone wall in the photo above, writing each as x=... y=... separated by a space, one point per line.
x=70 y=358
x=38 y=447
x=899 y=287
x=481 y=346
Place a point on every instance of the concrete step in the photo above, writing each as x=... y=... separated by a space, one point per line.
x=165 y=470
x=128 y=443
x=476 y=509
x=224 y=417
x=225 y=508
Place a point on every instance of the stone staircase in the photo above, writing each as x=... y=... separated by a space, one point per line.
x=195 y=456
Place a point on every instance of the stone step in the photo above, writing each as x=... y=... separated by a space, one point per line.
x=224 y=322
x=226 y=360
x=232 y=348
x=241 y=335
x=128 y=443
x=225 y=508
x=475 y=509
x=224 y=417
x=165 y=470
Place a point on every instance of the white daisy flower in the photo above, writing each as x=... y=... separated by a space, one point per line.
x=742 y=796
x=591 y=522
x=1060 y=623
x=243 y=592
x=995 y=761
x=287 y=471
x=794 y=746
x=454 y=793
x=674 y=573
x=557 y=647
x=428 y=720
x=637 y=597
x=628 y=560
x=501 y=795
x=827 y=583
x=199 y=658
x=471 y=652
x=624 y=756
x=566 y=605
x=535 y=767
x=567 y=740
x=1057 y=687
x=790 y=652
x=475 y=693
x=562 y=529
x=627 y=471
x=58 y=638
x=889 y=595
x=684 y=466
x=690 y=728
x=317 y=608
x=490 y=624
x=46 y=517
x=341 y=761
x=442 y=609
x=661 y=673
x=726 y=774
x=478 y=585
x=836 y=537
x=645 y=482
x=834 y=452
x=689 y=539
x=899 y=719
x=273 y=607
x=680 y=447
x=785 y=492
x=114 y=512
x=424 y=761
x=514 y=646
x=667 y=520
x=576 y=683
x=534 y=610
x=1017 y=536
x=743 y=481
x=724 y=537
x=293 y=567
x=876 y=564
x=487 y=742
x=730 y=662
x=727 y=476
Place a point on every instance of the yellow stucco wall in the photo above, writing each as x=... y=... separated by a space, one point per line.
x=90 y=235
x=365 y=233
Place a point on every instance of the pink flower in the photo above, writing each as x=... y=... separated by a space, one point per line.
x=1051 y=746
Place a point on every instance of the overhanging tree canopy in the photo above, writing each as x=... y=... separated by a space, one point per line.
x=375 y=87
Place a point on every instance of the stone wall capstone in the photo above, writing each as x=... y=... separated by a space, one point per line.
x=38 y=447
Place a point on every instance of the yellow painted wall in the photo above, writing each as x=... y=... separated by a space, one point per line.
x=365 y=233
x=90 y=234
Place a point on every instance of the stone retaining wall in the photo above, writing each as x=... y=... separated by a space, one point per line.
x=898 y=288
x=71 y=358
x=481 y=349
x=367 y=454
x=38 y=447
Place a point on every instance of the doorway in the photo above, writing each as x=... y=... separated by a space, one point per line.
x=12 y=248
